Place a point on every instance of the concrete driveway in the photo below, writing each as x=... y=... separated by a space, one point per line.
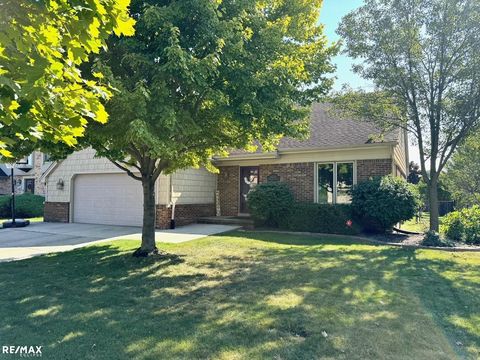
x=43 y=238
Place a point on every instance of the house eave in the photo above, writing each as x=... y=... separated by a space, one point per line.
x=337 y=148
x=277 y=154
x=249 y=156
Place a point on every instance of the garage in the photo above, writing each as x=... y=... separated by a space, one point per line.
x=111 y=199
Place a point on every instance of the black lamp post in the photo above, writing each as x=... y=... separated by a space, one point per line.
x=14 y=223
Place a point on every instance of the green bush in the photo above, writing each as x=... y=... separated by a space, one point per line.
x=452 y=226
x=26 y=205
x=463 y=225
x=432 y=238
x=270 y=203
x=322 y=218
x=381 y=203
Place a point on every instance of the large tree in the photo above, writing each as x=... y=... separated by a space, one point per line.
x=200 y=77
x=424 y=58
x=44 y=97
x=463 y=173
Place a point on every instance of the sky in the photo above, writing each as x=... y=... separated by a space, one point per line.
x=331 y=14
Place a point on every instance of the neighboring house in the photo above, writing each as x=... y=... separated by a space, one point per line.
x=27 y=175
x=322 y=168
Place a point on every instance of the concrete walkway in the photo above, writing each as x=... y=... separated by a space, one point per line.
x=43 y=238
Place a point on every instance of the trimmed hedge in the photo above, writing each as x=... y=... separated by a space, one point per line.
x=463 y=225
x=381 y=203
x=322 y=218
x=270 y=203
x=26 y=205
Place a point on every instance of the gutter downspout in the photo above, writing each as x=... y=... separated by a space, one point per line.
x=171 y=203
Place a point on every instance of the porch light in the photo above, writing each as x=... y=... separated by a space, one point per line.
x=60 y=184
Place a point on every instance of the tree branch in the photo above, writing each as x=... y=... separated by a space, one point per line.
x=129 y=172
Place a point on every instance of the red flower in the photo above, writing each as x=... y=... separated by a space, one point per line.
x=349 y=223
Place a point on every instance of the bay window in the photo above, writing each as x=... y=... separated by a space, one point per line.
x=334 y=182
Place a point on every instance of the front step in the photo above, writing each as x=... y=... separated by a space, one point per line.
x=227 y=220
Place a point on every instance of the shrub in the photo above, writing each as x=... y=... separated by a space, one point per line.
x=26 y=205
x=322 y=218
x=463 y=225
x=381 y=203
x=270 y=203
x=432 y=238
x=452 y=226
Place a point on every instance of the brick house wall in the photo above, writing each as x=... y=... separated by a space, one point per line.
x=184 y=214
x=57 y=212
x=300 y=177
x=5 y=186
x=228 y=184
x=367 y=169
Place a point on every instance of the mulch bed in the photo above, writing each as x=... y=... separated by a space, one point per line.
x=413 y=240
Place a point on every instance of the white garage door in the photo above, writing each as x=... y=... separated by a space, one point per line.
x=113 y=199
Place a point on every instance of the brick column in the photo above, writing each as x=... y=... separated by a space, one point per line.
x=57 y=212
x=228 y=184
x=184 y=214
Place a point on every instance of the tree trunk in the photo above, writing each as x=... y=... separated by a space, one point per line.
x=433 y=204
x=148 y=231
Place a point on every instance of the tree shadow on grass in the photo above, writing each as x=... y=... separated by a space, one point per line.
x=251 y=302
x=288 y=239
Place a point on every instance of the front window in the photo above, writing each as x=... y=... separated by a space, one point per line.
x=334 y=182
x=325 y=183
x=344 y=182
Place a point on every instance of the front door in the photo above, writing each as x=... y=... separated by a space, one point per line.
x=248 y=180
x=30 y=186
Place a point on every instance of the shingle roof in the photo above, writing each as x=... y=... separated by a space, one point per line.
x=329 y=131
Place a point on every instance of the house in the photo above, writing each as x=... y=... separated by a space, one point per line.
x=27 y=175
x=322 y=168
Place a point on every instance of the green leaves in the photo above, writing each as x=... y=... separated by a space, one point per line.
x=425 y=56
x=201 y=77
x=463 y=173
x=43 y=93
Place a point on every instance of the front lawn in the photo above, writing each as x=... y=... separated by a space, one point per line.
x=420 y=226
x=245 y=296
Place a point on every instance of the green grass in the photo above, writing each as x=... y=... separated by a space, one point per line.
x=34 y=219
x=420 y=226
x=245 y=296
